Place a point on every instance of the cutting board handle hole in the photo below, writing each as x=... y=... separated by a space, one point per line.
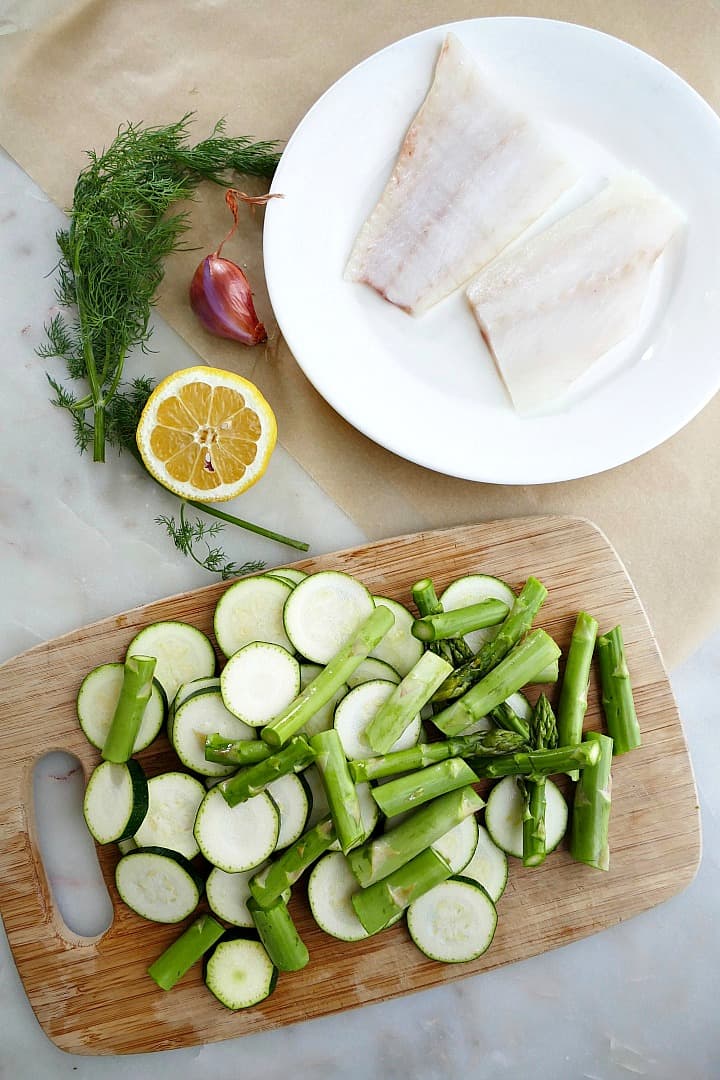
x=66 y=847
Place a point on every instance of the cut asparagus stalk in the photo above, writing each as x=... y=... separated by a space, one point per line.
x=549 y=674
x=383 y=901
x=513 y=672
x=244 y=785
x=185 y=951
x=573 y=695
x=506 y=718
x=235 y=752
x=278 y=934
x=543 y=736
x=318 y=692
x=271 y=882
x=380 y=857
x=527 y=604
x=406 y=701
x=339 y=787
x=536 y=762
x=617 y=695
x=485 y=744
x=461 y=621
x=454 y=650
x=416 y=788
x=134 y=695
x=591 y=808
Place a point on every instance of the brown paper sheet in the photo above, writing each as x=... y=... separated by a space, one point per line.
x=67 y=85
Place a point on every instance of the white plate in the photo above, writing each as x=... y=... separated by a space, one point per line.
x=426 y=388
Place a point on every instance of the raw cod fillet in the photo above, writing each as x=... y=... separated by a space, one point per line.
x=552 y=306
x=471 y=176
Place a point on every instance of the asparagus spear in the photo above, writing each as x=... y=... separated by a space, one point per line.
x=318 y=692
x=134 y=696
x=243 y=785
x=277 y=932
x=536 y=762
x=406 y=701
x=527 y=604
x=591 y=808
x=549 y=674
x=505 y=717
x=235 y=752
x=382 y=856
x=185 y=951
x=379 y=904
x=484 y=743
x=271 y=882
x=573 y=695
x=416 y=788
x=543 y=736
x=617 y=695
x=461 y=621
x=513 y=672
x=339 y=788
x=454 y=650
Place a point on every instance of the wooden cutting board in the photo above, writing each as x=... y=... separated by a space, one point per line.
x=94 y=997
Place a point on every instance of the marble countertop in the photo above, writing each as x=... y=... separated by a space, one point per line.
x=78 y=542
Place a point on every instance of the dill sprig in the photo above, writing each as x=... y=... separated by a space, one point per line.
x=187 y=535
x=112 y=254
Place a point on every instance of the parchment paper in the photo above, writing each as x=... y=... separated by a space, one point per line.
x=67 y=83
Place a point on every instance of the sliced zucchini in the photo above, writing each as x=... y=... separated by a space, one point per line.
x=126 y=846
x=252 y=610
x=320 y=806
x=323 y=718
x=398 y=648
x=454 y=922
x=488 y=866
x=372 y=669
x=354 y=713
x=289 y=574
x=293 y=798
x=330 y=886
x=259 y=681
x=239 y=971
x=183 y=653
x=227 y=895
x=116 y=801
x=197 y=686
x=323 y=612
x=173 y=801
x=240 y=837
x=473 y=589
x=96 y=701
x=202 y=714
x=504 y=816
x=159 y=884
x=458 y=846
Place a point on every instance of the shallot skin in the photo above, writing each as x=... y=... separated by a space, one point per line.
x=221 y=297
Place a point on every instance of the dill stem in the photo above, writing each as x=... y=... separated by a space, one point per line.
x=208 y=508
x=99 y=433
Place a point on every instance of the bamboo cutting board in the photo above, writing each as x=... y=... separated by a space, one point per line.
x=94 y=996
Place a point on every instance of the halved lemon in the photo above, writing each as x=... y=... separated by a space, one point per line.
x=206 y=434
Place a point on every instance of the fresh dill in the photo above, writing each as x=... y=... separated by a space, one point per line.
x=112 y=258
x=187 y=536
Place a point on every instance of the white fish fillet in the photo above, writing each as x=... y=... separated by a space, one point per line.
x=552 y=306
x=471 y=176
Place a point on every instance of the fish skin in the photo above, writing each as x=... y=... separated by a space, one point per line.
x=552 y=306
x=472 y=174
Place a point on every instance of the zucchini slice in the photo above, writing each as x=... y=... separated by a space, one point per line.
x=504 y=816
x=116 y=801
x=458 y=846
x=354 y=713
x=473 y=589
x=183 y=653
x=173 y=801
x=323 y=718
x=399 y=648
x=293 y=798
x=239 y=971
x=240 y=837
x=323 y=612
x=96 y=701
x=330 y=887
x=252 y=610
x=488 y=866
x=372 y=669
x=159 y=884
x=202 y=714
x=259 y=681
x=454 y=922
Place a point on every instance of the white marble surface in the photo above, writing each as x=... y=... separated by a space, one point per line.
x=78 y=541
